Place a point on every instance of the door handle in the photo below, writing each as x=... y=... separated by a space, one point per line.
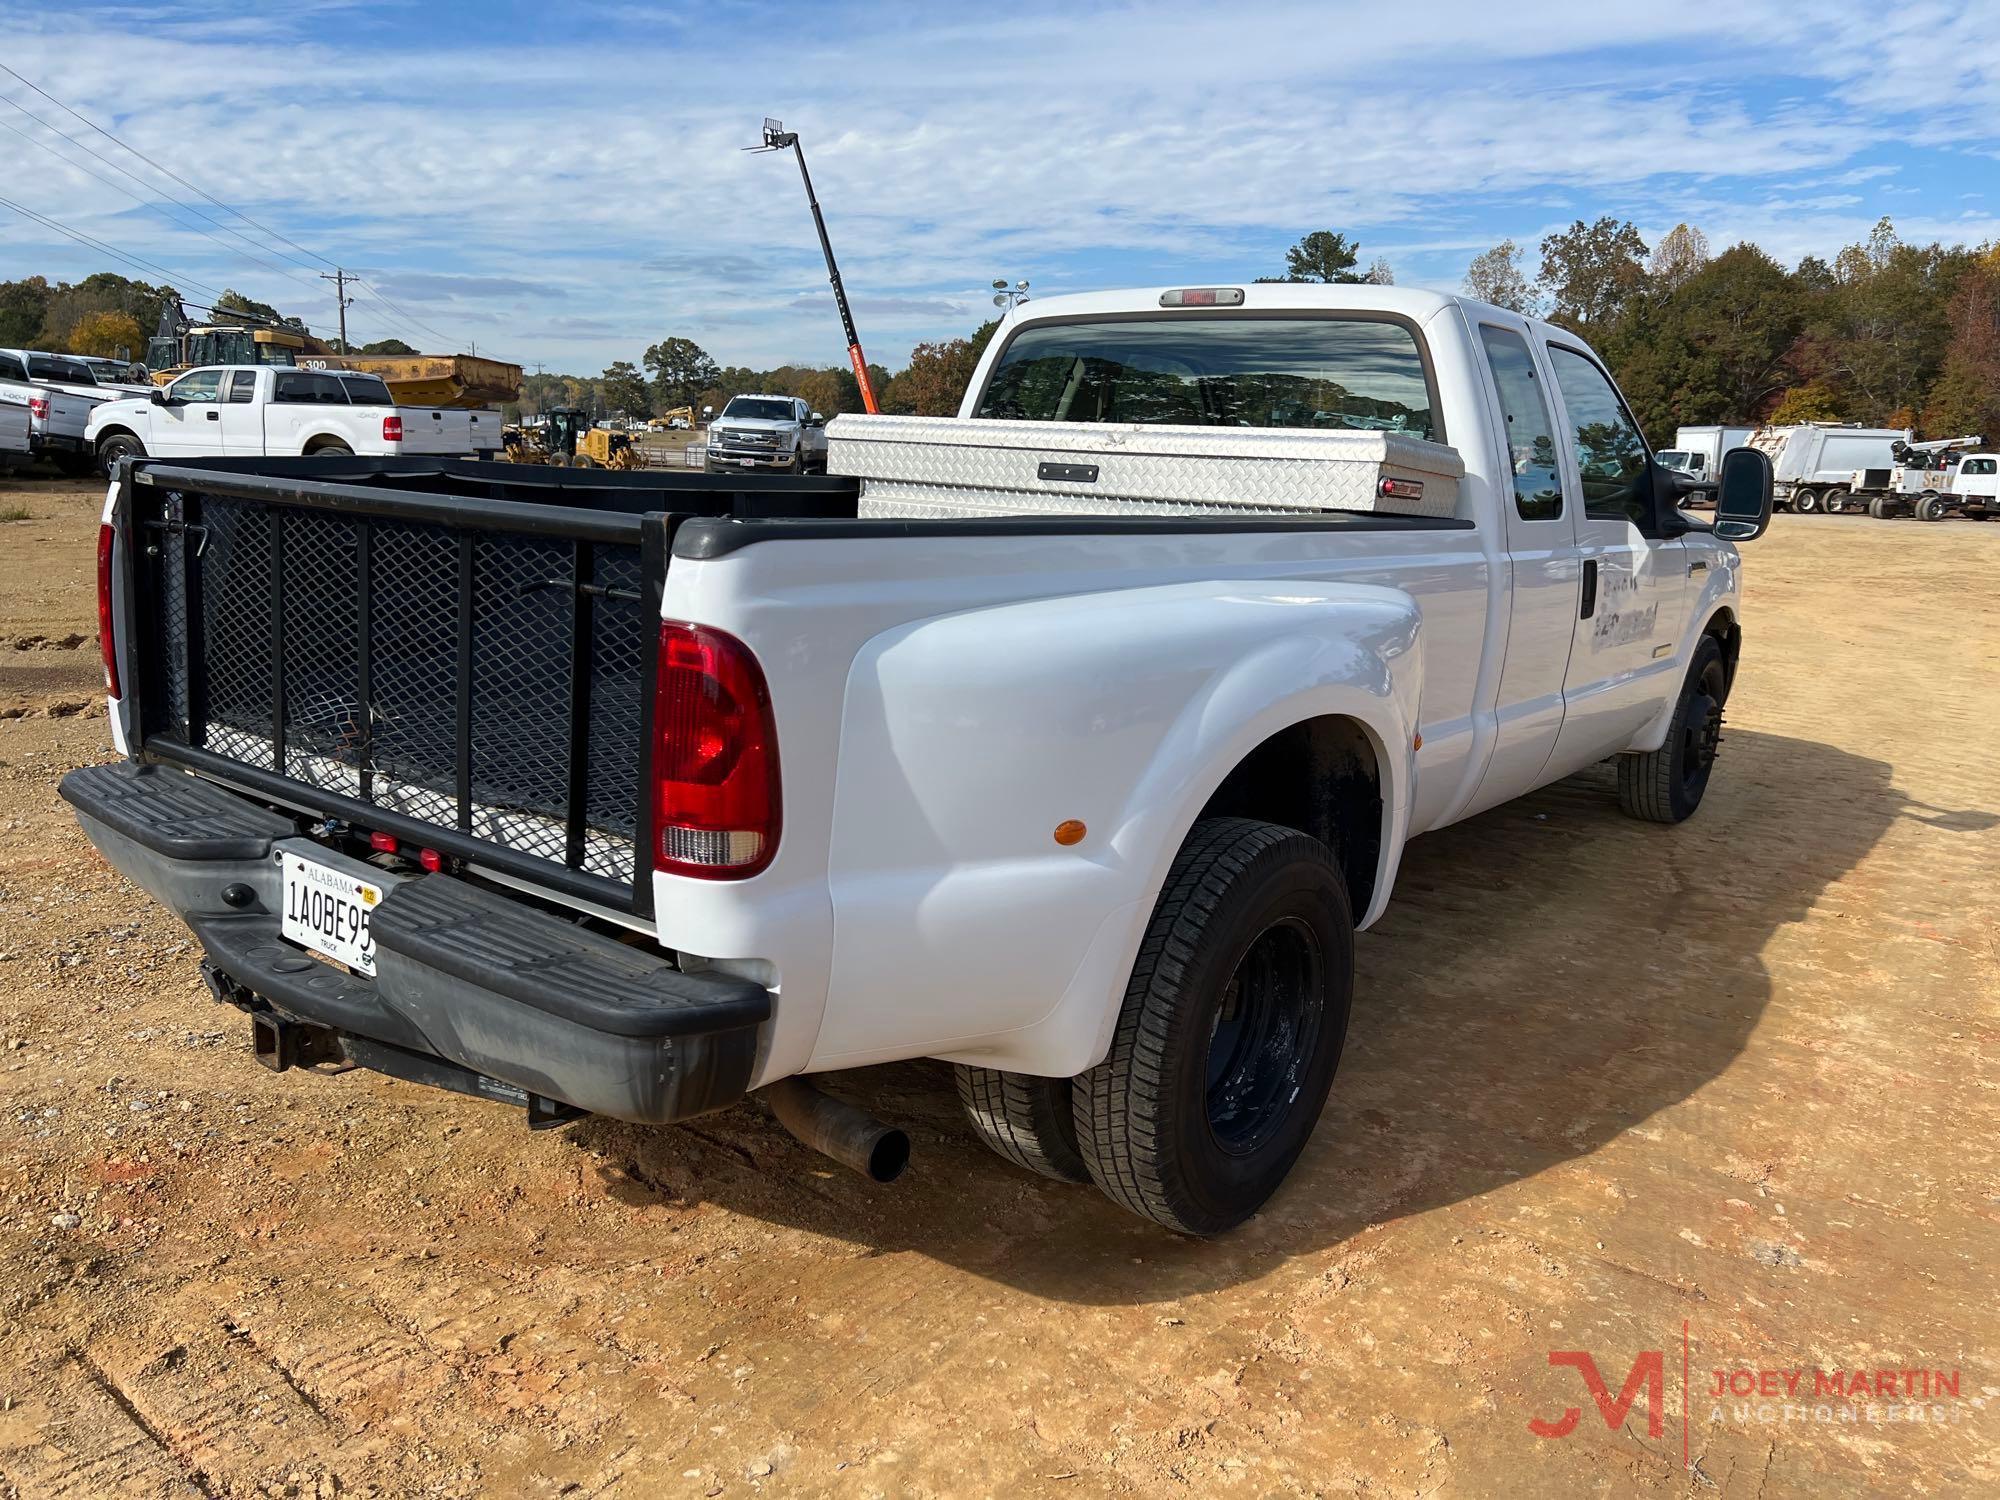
x=1697 y=567
x=1589 y=587
x=213 y=416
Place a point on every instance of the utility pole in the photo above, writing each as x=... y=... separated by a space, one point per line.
x=777 y=138
x=340 y=278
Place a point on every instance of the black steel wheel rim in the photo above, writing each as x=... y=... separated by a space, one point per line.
x=1263 y=1035
x=1701 y=732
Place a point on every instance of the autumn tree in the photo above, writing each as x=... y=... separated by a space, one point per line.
x=1592 y=272
x=1496 y=276
x=114 y=335
x=1682 y=251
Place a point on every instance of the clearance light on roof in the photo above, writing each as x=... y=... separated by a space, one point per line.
x=1203 y=296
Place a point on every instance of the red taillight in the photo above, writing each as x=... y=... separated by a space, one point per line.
x=105 y=640
x=715 y=757
x=430 y=859
x=382 y=843
x=38 y=407
x=392 y=429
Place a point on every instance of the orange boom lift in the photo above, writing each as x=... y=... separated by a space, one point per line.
x=777 y=138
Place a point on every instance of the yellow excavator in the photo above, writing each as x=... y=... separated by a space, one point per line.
x=681 y=417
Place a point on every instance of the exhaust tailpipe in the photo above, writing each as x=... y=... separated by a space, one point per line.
x=852 y=1137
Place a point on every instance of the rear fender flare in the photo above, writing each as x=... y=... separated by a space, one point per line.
x=969 y=738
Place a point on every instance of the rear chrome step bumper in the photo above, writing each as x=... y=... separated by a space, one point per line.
x=490 y=986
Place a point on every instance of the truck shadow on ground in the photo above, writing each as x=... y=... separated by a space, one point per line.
x=1550 y=975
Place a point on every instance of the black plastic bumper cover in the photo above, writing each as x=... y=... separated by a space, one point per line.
x=463 y=973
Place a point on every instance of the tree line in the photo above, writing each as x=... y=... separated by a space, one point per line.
x=1884 y=333
x=113 y=316
x=677 y=372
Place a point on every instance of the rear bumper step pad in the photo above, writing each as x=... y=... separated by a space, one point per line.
x=485 y=981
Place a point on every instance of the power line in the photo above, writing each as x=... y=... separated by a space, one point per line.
x=174 y=278
x=379 y=297
x=142 y=202
x=267 y=229
x=97 y=155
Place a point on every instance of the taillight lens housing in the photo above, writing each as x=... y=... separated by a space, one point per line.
x=106 y=642
x=715 y=757
x=38 y=407
x=392 y=429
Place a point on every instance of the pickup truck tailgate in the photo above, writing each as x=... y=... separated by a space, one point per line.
x=470 y=675
x=448 y=430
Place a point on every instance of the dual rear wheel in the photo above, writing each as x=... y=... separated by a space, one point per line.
x=1225 y=1046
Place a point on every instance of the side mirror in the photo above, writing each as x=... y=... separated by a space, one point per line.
x=817 y=420
x=1743 y=495
x=159 y=396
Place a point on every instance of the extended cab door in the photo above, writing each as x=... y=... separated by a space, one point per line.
x=1633 y=586
x=1544 y=563
x=191 y=421
x=242 y=417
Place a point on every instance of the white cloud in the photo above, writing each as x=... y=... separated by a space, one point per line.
x=573 y=203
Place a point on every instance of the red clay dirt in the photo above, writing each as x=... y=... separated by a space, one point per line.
x=1608 y=1086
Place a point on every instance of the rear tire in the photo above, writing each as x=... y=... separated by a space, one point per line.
x=331 y=448
x=1231 y=1029
x=120 y=445
x=1805 y=502
x=1879 y=508
x=1930 y=507
x=1666 y=785
x=1028 y=1120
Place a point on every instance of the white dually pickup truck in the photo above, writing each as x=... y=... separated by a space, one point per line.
x=1069 y=741
x=274 y=411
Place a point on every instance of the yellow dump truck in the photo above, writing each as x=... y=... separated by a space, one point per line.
x=452 y=380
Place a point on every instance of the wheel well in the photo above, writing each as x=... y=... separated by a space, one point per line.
x=1322 y=777
x=326 y=440
x=1729 y=636
x=112 y=432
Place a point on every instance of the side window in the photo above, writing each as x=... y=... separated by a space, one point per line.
x=243 y=386
x=290 y=388
x=1531 y=436
x=202 y=387
x=1610 y=453
x=11 y=367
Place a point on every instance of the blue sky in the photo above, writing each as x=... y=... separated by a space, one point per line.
x=562 y=184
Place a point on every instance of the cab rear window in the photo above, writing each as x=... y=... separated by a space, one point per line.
x=1337 y=374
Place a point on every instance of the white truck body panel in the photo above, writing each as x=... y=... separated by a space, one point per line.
x=1706 y=445
x=1817 y=455
x=13 y=429
x=987 y=686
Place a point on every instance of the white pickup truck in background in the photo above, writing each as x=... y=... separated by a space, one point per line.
x=274 y=411
x=1070 y=742
x=57 y=420
x=16 y=451
x=767 y=432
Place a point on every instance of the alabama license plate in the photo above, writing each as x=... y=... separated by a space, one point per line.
x=329 y=911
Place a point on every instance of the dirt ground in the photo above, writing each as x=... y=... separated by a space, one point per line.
x=1725 y=1093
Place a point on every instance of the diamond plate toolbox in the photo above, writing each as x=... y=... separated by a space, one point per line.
x=942 y=467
